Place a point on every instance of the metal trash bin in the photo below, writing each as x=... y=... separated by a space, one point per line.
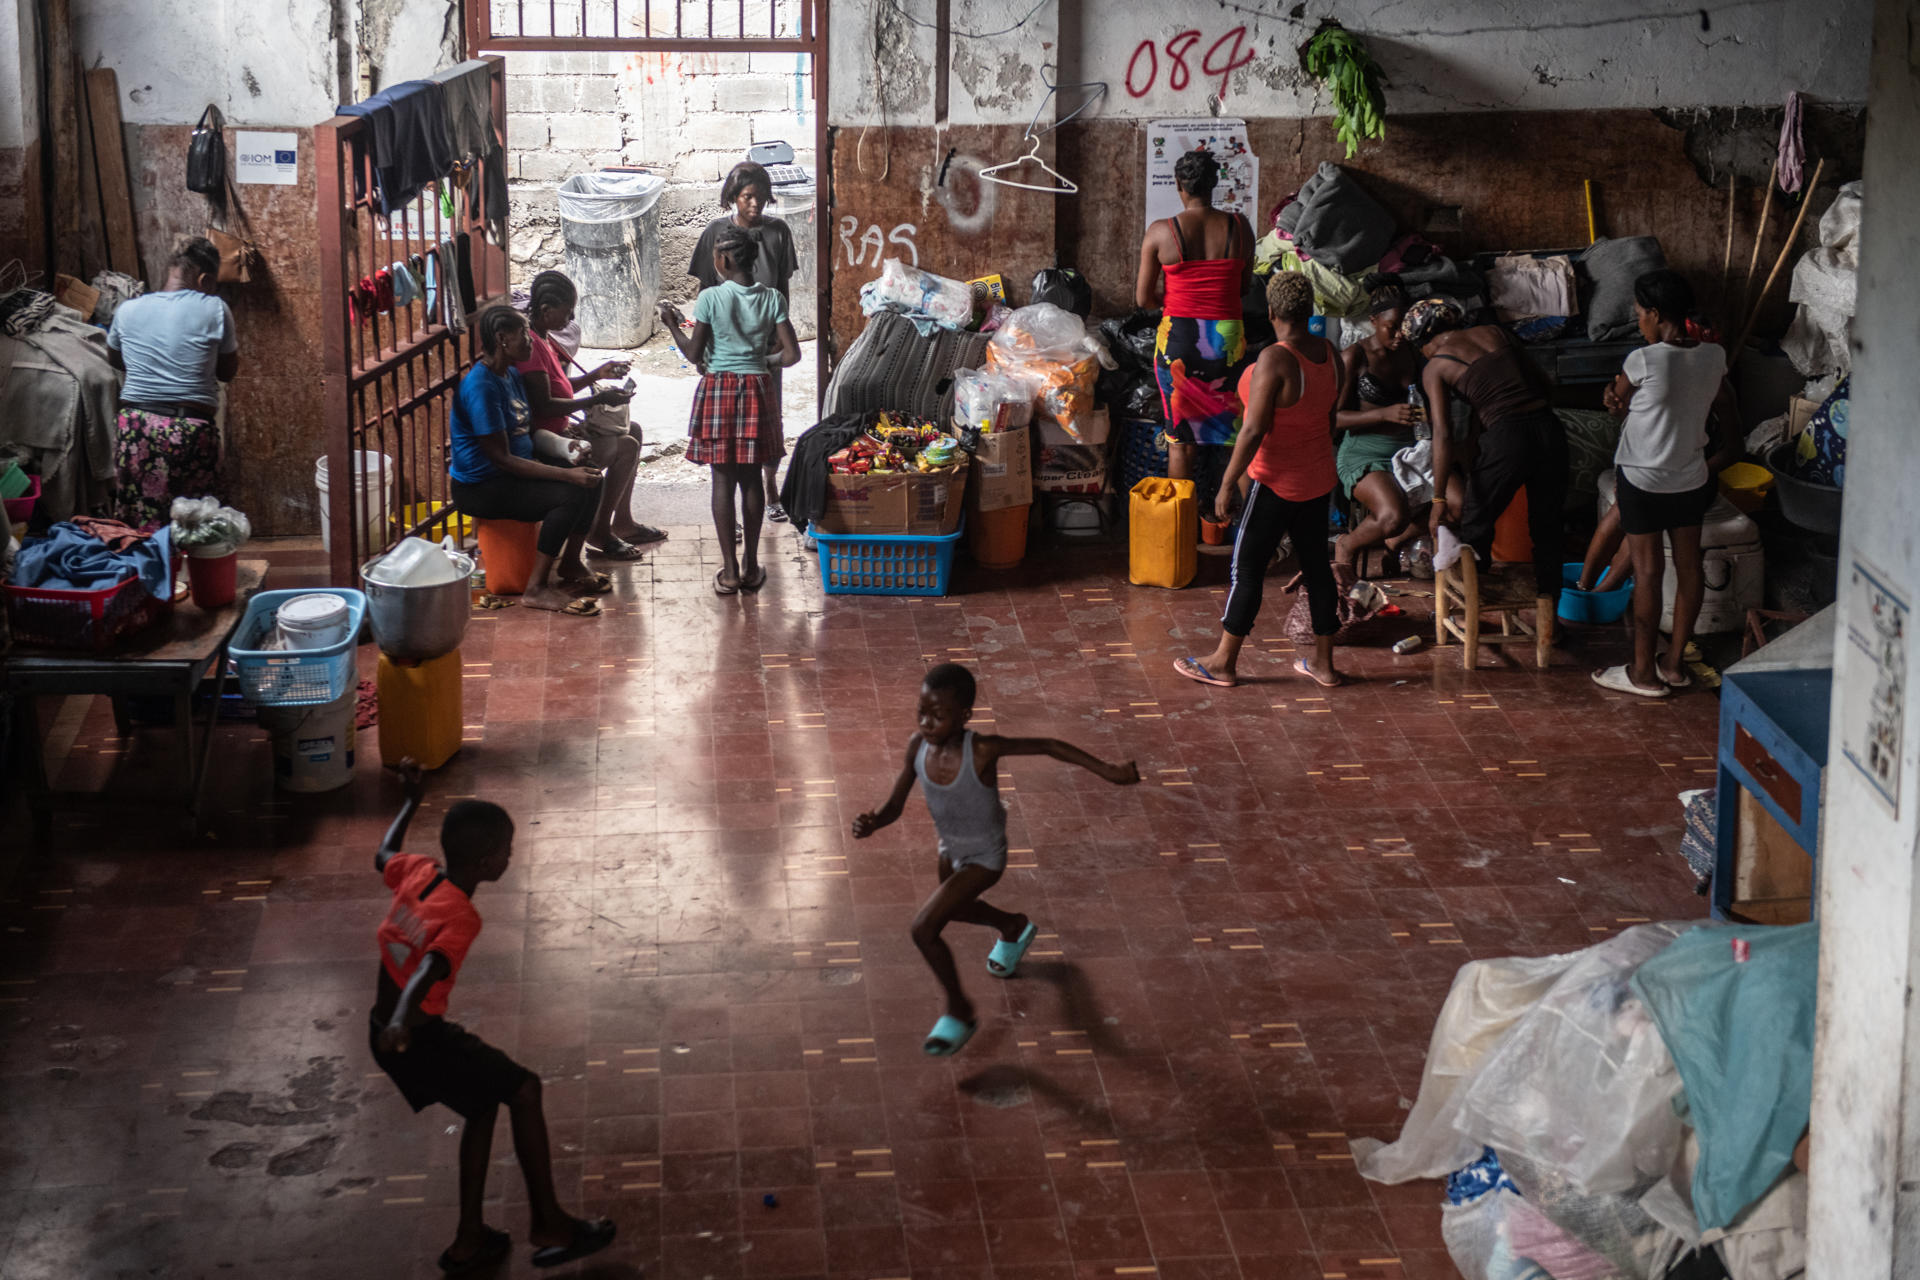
x=797 y=205
x=611 y=225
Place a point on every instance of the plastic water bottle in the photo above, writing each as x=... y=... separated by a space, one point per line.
x=1422 y=429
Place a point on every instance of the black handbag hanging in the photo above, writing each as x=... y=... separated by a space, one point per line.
x=207 y=156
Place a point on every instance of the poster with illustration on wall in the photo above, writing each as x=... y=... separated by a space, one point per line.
x=1873 y=706
x=1168 y=140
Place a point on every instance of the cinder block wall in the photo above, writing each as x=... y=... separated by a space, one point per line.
x=688 y=117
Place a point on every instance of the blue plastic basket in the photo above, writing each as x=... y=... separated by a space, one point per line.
x=1141 y=453
x=853 y=564
x=294 y=677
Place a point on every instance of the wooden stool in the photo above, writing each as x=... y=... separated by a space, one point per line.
x=1459 y=590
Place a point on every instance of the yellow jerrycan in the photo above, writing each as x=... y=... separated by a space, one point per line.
x=1164 y=525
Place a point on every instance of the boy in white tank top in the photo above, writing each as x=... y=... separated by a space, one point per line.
x=954 y=764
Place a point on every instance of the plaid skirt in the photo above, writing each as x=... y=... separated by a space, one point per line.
x=736 y=420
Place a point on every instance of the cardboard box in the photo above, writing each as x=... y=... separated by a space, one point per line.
x=906 y=502
x=1002 y=471
x=1799 y=411
x=1095 y=428
x=78 y=294
x=1072 y=469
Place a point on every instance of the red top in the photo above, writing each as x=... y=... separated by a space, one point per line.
x=1206 y=288
x=546 y=359
x=1295 y=458
x=429 y=913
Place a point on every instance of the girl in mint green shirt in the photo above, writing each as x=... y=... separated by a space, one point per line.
x=739 y=333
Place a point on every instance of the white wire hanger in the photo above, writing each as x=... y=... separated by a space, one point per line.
x=1062 y=185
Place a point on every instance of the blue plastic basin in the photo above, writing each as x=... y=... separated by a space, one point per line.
x=1603 y=606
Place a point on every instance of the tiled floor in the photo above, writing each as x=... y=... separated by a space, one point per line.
x=1241 y=961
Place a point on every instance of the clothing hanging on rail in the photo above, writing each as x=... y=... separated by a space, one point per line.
x=411 y=142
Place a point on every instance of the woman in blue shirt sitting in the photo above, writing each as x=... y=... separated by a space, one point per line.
x=490 y=461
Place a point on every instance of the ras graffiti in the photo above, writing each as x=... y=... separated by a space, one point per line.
x=875 y=241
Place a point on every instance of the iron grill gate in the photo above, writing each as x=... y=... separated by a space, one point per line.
x=390 y=374
x=686 y=26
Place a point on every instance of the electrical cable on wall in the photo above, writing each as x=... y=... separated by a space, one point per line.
x=951 y=30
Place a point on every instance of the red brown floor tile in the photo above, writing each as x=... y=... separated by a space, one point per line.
x=1239 y=964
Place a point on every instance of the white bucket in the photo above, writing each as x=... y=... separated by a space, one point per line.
x=373 y=473
x=312 y=746
x=313 y=621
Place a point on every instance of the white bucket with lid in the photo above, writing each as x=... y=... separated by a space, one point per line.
x=313 y=745
x=312 y=621
x=373 y=476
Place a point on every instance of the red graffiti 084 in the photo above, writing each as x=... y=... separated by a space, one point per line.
x=1224 y=56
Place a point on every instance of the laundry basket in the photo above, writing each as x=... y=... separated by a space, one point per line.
x=854 y=564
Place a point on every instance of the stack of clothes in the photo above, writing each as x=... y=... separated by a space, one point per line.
x=59 y=401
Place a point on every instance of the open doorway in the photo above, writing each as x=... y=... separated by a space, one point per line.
x=683 y=92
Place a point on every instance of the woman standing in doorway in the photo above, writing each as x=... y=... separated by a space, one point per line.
x=1195 y=266
x=745 y=195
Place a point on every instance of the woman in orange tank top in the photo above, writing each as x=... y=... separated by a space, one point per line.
x=1286 y=447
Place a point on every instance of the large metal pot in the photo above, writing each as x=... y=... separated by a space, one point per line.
x=417 y=623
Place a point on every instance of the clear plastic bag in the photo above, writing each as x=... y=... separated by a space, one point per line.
x=1583 y=1084
x=913 y=292
x=1479 y=1242
x=982 y=396
x=1041 y=329
x=201 y=526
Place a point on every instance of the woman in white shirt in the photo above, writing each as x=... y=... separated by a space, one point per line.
x=1669 y=394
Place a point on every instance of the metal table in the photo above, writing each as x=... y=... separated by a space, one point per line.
x=170 y=661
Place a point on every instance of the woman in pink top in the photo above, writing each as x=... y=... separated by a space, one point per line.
x=1286 y=446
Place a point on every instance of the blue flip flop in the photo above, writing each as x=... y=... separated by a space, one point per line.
x=949 y=1036
x=1004 y=960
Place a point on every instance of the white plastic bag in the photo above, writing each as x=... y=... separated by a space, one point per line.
x=1042 y=330
x=609 y=197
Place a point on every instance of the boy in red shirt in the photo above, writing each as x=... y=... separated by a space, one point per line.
x=423 y=940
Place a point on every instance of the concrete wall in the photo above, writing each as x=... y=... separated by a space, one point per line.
x=1865 y=1180
x=282 y=66
x=689 y=117
x=1474 y=55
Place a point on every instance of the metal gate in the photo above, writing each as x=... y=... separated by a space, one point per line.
x=391 y=368
x=684 y=26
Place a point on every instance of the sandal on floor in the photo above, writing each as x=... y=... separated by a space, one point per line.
x=497 y=1246
x=494 y=602
x=585 y=607
x=646 y=535
x=1300 y=665
x=949 y=1036
x=614 y=549
x=1684 y=682
x=1004 y=960
x=1192 y=670
x=1617 y=679
x=588 y=1238
x=722 y=589
x=757 y=581
x=594 y=584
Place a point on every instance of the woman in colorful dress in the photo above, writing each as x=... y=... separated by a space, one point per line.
x=1195 y=266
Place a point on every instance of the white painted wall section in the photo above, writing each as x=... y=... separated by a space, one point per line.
x=260 y=63
x=1169 y=57
x=19 y=75
x=1865 y=1179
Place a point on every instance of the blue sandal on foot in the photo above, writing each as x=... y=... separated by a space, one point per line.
x=949 y=1036
x=1005 y=958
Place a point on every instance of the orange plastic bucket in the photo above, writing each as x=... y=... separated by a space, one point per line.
x=998 y=539
x=507 y=548
x=1512 y=543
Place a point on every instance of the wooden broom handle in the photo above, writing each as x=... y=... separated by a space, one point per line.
x=1793 y=236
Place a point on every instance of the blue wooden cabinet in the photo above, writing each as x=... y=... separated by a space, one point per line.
x=1774 y=708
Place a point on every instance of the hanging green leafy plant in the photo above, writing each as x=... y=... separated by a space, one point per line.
x=1337 y=58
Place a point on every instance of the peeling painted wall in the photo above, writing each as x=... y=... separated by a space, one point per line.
x=1170 y=57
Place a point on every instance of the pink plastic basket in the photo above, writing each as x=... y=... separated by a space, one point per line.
x=20 y=509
